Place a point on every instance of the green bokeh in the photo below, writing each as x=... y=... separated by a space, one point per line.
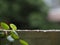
x=26 y=14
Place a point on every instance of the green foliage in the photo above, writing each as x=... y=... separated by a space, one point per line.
x=23 y=42
x=16 y=7
x=35 y=19
x=14 y=36
x=13 y=27
x=4 y=26
x=35 y=2
x=26 y=14
x=18 y=12
x=14 y=33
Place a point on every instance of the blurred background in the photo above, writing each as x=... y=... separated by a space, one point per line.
x=31 y=14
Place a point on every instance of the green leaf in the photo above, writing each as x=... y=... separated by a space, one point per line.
x=4 y=26
x=23 y=42
x=13 y=27
x=15 y=36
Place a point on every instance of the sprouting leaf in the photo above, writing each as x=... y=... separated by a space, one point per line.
x=4 y=26
x=13 y=27
x=15 y=36
x=23 y=42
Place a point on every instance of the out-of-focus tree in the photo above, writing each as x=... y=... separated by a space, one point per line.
x=26 y=14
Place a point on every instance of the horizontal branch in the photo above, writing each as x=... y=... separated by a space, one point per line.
x=35 y=30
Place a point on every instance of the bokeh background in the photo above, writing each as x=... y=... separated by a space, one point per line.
x=28 y=14
x=32 y=14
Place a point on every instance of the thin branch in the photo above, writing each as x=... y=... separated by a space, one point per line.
x=34 y=30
